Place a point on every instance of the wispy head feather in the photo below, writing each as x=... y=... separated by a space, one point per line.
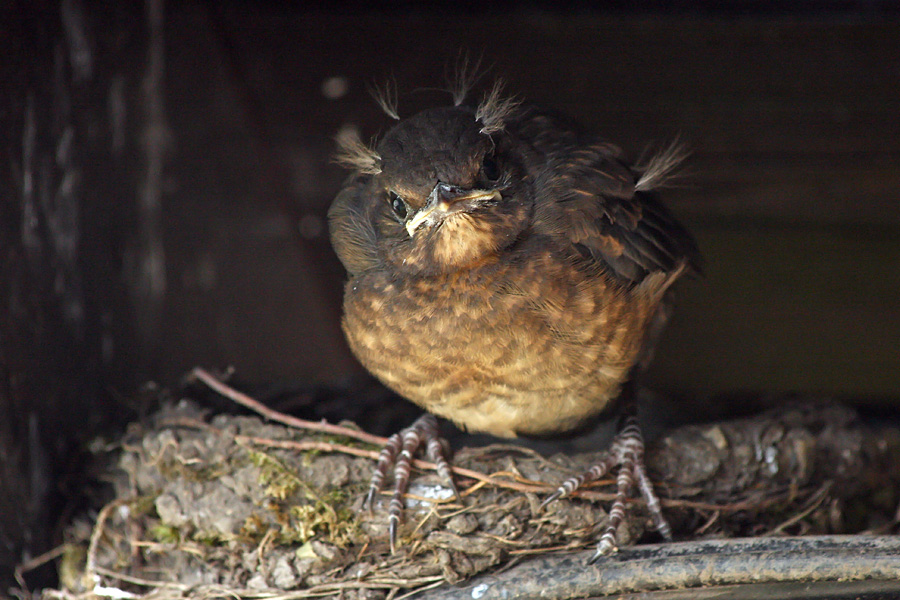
x=494 y=109
x=354 y=154
x=387 y=98
x=660 y=169
x=465 y=73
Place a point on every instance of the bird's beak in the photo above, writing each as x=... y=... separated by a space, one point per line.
x=446 y=199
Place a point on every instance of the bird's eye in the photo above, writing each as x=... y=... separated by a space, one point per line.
x=398 y=205
x=489 y=168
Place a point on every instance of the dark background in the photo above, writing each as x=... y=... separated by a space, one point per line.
x=166 y=175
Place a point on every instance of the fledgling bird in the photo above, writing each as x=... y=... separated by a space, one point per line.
x=509 y=272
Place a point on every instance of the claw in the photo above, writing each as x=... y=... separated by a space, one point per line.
x=393 y=523
x=436 y=451
x=398 y=452
x=573 y=483
x=652 y=500
x=554 y=496
x=369 y=501
x=627 y=453
x=386 y=458
x=604 y=548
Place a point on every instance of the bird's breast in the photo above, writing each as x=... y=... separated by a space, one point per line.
x=528 y=348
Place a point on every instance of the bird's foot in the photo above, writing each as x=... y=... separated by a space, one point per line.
x=626 y=452
x=398 y=452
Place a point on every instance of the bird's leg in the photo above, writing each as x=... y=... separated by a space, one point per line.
x=626 y=452
x=399 y=451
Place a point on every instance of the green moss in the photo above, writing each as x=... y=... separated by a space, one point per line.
x=143 y=506
x=165 y=534
x=299 y=510
x=72 y=566
x=337 y=525
x=174 y=468
x=279 y=481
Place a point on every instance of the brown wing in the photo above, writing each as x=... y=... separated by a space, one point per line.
x=351 y=229
x=586 y=195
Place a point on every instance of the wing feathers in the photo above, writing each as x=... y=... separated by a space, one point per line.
x=589 y=196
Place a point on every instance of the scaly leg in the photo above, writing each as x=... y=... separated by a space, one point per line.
x=399 y=451
x=626 y=452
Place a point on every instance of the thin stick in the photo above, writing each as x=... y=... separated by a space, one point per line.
x=34 y=563
x=296 y=423
x=273 y=415
x=322 y=426
x=418 y=463
x=813 y=503
x=90 y=570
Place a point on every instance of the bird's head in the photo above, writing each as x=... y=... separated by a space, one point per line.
x=443 y=190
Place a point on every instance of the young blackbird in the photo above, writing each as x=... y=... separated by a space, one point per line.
x=509 y=272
